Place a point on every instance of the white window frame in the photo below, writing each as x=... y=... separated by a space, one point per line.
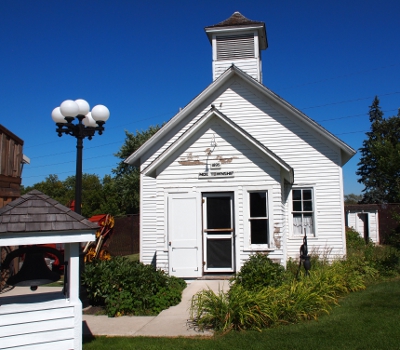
x=248 y=246
x=314 y=211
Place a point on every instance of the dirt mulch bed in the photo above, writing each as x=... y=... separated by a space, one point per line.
x=94 y=310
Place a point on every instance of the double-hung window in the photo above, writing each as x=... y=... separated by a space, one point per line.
x=258 y=218
x=303 y=211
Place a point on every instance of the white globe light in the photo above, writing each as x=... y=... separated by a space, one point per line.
x=57 y=116
x=100 y=113
x=84 y=107
x=69 y=108
x=89 y=121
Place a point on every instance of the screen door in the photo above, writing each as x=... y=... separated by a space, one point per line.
x=218 y=232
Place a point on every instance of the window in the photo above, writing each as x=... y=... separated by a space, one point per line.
x=303 y=213
x=258 y=217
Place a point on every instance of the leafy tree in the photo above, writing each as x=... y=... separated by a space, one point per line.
x=352 y=198
x=98 y=197
x=379 y=166
x=118 y=195
x=92 y=193
x=110 y=197
x=127 y=177
x=51 y=186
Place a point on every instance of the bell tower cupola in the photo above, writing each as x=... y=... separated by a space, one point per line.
x=239 y=41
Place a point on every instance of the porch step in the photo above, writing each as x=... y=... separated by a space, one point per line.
x=215 y=277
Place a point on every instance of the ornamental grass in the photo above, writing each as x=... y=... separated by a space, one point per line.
x=255 y=301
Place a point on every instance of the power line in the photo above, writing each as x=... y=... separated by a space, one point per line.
x=353 y=100
x=338 y=77
x=67 y=172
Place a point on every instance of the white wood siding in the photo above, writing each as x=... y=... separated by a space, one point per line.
x=251 y=66
x=248 y=167
x=42 y=325
x=315 y=164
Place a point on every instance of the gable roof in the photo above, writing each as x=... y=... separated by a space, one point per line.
x=346 y=151
x=37 y=212
x=286 y=170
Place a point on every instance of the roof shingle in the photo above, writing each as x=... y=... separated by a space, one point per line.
x=37 y=212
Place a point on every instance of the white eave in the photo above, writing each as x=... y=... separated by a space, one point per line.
x=346 y=151
x=173 y=149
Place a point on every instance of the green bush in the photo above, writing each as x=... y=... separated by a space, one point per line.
x=384 y=259
x=127 y=287
x=291 y=302
x=259 y=271
x=262 y=295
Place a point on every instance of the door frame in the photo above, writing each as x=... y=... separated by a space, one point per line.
x=232 y=235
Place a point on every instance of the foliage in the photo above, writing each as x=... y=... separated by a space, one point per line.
x=263 y=296
x=98 y=196
x=259 y=271
x=352 y=198
x=51 y=186
x=115 y=195
x=367 y=320
x=127 y=287
x=291 y=302
x=384 y=259
x=127 y=177
x=379 y=166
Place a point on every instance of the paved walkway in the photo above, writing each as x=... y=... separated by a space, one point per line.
x=173 y=322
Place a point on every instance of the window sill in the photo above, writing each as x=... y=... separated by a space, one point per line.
x=309 y=238
x=258 y=249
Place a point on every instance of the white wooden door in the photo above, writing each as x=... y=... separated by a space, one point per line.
x=184 y=235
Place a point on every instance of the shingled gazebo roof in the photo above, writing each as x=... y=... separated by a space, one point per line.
x=37 y=212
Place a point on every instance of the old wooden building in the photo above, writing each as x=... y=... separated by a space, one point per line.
x=239 y=170
x=11 y=164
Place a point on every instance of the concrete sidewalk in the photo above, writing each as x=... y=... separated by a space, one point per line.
x=173 y=322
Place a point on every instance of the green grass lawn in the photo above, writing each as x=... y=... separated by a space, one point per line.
x=364 y=320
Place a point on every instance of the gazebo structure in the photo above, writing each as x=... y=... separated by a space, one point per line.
x=38 y=320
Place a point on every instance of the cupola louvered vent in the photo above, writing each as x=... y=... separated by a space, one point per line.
x=235 y=47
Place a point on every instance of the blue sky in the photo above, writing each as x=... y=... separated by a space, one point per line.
x=145 y=60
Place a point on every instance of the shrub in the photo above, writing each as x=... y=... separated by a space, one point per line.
x=259 y=271
x=383 y=259
x=252 y=303
x=130 y=287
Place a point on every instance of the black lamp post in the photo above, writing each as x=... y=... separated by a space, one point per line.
x=88 y=124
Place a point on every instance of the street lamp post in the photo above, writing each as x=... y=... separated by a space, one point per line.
x=88 y=124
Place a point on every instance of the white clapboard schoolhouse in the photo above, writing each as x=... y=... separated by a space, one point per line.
x=239 y=170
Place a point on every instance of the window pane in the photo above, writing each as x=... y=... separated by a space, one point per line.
x=297 y=206
x=307 y=195
x=219 y=253
x=259 y=231
x=258 y=204
x=296 y=194
x=218 y=212
x=307 y=206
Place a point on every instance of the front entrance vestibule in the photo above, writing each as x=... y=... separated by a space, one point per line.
x=201 y=233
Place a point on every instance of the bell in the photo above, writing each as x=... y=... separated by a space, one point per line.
x=34 y=271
